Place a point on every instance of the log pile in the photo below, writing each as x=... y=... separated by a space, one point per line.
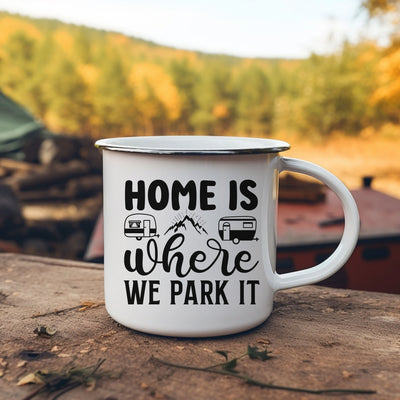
x=49 y=202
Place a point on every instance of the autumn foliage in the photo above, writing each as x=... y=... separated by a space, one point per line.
x=86 y=81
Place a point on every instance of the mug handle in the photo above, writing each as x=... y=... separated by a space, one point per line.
x=350 y=234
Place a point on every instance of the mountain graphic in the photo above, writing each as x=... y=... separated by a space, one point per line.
x=182 y=224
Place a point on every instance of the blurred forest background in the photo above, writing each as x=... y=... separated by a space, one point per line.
x=85 y=81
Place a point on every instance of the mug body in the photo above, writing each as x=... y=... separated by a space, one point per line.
x=189 y=240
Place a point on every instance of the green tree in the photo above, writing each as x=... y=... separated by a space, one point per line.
x=254 y=105
x=67 y=107
x=336 y=93
x=185 y=78
x=82 y=45
x=17 y=64
x=386 y=95
x=114 y=101
x=36 y=99
x=214 y=96
x=158 y=100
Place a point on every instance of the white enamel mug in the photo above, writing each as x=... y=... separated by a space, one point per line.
x=190 y=232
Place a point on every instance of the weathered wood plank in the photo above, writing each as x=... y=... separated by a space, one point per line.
x=319 y=338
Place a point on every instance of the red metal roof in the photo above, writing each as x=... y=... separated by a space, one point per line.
x=305 y=223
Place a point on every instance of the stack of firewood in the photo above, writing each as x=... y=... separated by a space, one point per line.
x=49 y=201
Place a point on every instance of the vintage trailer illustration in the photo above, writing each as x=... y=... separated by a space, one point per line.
x=237 y=228
x=140 y=226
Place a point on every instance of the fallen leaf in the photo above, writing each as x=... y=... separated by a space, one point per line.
x=33 y=377
x=59 y=382
x=263 y=341
x=109 y=333
x=90 y=384
x=86 y=304
x=22 y=364
x=347 y=374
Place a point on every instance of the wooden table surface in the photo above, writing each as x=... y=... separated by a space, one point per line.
x=319 y=338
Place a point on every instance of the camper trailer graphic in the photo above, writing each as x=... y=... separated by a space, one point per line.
x=140 y=226
x=236 y=228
